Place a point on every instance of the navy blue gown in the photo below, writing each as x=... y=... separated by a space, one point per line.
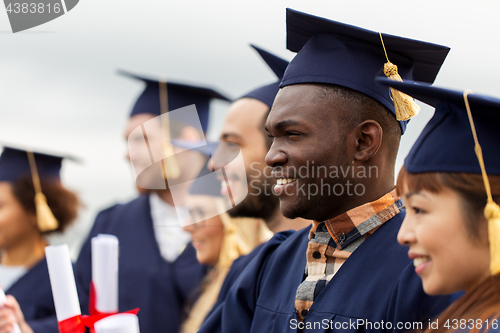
x=34 y=294
x=159 y=288
x=376 y=285
x=239 y=265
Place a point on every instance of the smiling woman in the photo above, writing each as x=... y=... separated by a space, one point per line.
x=445 y=228
x=23 y=268
x=218 y=240
x=450 y=185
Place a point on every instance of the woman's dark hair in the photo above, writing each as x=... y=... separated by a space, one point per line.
x=482 y=302
x=479 y=305
x=63 y=202
x=469 y=187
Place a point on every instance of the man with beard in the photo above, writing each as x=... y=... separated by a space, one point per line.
x=347 y=272
x=158 y=270
x=244 y=127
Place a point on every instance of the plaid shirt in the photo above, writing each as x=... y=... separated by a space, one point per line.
x=331 y=242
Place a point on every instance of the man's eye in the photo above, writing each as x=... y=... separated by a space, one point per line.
x=270 y=136
x=417 y=210
x=293 y=135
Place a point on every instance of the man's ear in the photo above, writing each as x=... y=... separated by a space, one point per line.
x=368 y=140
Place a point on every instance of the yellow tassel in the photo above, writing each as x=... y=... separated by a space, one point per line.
x=492 y=210
x=404 y=105
x=171 y=167
x=46 y=220
x=492 y=214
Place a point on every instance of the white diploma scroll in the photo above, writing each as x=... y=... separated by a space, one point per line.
x=105 y=272
x=2 y=303
x=62 y=281
x=119 y=323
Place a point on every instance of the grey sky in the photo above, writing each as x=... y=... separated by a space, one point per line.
x=59 y=87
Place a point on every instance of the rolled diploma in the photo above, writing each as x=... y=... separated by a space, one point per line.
x=105 y=272
x=62 y=281
x=2 y=303
x=119 y=323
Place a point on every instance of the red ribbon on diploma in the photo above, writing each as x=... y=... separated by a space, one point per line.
x=71 y=325
x=95 y=315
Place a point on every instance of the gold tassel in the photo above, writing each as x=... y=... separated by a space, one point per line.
x=492 y=210
x=171 y=169
x=404 y=105
x=492 y=214
x=45 y=218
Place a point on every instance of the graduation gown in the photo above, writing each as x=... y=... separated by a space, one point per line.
x=34 y=294
x=376 y=285
x=238 y=266
x=159 y=288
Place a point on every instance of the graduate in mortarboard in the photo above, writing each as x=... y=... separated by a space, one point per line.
x=218 y=239
x=33 y=204
x=244 y=126
x=331 y=123
x=158 y=270
x=450 y=184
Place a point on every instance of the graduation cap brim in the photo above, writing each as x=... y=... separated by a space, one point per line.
x=267 y=93
x=43 y=151
x=203 y=147
x=277 y=64
x=426 y=57
x=192 y=88
x=433 y=95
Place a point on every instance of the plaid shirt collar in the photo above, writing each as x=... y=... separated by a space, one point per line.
x=362 y=220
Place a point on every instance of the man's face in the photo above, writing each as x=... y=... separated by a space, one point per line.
x=140 y=158
x=243 y=126
x=308 y=147
x=151 y=175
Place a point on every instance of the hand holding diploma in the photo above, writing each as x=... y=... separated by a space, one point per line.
x=10 y=315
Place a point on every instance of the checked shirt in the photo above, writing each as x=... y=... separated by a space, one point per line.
x=331 y=242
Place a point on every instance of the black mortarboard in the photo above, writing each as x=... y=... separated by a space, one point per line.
x=14 y=164
x=446 y=143
x=267 y=93
x=336 y=53
x=178 y=95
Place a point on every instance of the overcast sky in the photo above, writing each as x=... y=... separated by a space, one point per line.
x=59 y=87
